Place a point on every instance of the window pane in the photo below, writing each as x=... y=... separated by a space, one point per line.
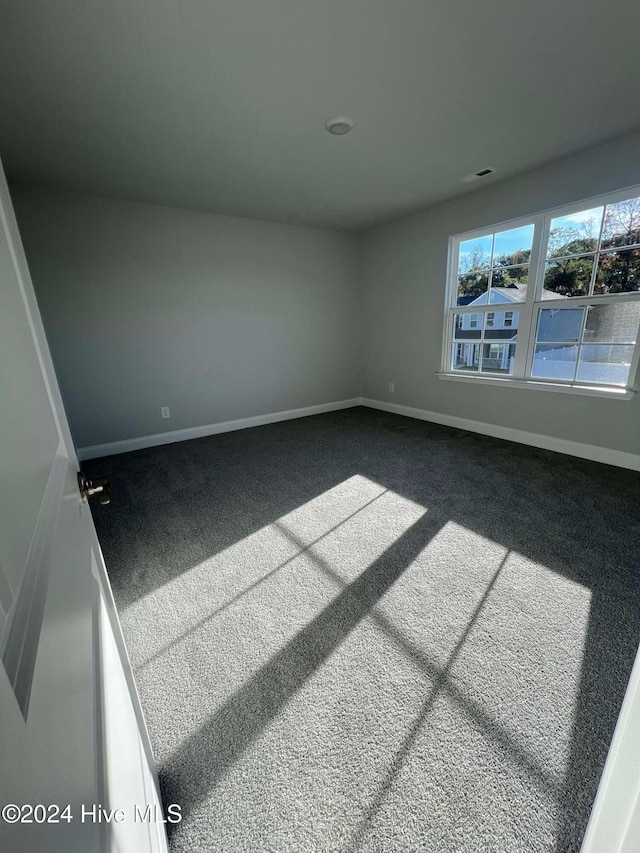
x=560 y=324
x=514 y=278
x=475 y=254
x=471 y=286
x=554 y=361
x=570 y=277
x=513 y=247
x=621 y=224
x=618 y=272
x=574 y=233
x=498 y=358
x=466 y=357
x=501 y=325
x=467 y=327
x=612 y=323
x=607 y=364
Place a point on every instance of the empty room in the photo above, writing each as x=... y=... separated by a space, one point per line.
x=319 y=426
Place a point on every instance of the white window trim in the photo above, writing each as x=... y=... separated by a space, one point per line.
x=528 y=310
x=615 y=392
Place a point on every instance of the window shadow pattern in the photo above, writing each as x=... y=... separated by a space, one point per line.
x=580 y=520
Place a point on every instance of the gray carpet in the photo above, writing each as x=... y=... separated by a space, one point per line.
x=362 y=632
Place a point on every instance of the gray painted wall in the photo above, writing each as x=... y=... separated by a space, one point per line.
x=217 y=317
x=224 y=318
x=404 y=268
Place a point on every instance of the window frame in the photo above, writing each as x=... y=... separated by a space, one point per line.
x=529 y=309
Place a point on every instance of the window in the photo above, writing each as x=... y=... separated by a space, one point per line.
x=553 y=299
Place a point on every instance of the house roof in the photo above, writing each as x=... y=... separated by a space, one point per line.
x=514 y=293
x=518 y=292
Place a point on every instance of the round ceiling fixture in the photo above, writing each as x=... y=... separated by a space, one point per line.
x=339 y=125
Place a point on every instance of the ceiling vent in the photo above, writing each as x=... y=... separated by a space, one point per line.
x=475 y=176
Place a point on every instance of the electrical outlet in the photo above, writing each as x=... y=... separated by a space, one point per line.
x=165 y=412
x=392 y=387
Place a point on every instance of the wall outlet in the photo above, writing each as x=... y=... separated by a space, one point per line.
x=165 y=412
x=392 y=387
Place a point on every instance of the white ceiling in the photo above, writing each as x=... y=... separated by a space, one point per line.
x=221 y=104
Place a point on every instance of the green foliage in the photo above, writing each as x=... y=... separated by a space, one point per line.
x=520 y=256
x=570 y=277
x=475 y=280
x=473 y=284
x=507 y=275
x=619 y=272
x=570 y=258
x=570 y=241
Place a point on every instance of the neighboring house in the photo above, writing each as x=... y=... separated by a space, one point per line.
x=500 y=333
x=595 y=345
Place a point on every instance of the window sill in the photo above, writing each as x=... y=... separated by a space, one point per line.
x=540 y=385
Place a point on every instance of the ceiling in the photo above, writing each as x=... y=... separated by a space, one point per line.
x=220 y=104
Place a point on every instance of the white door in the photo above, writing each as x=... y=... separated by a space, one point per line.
x=71 y=729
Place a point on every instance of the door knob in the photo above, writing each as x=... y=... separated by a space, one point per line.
x=88 y=487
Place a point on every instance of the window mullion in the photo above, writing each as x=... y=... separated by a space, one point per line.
x=450 y=301
x=634 y=370
x=484 y=309
x=525 y=354
x=596 y=257
x=525 y=322
x=596 y=299
x=583 y=326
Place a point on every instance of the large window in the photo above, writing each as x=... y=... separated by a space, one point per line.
x=552 y=300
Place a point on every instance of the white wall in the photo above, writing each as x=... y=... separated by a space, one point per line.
x=404 y=268
x=224 y=318
x=217 y=317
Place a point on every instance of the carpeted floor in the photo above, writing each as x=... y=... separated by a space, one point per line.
x=362 y=632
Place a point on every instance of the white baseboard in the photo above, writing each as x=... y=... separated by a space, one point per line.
x=113 y=447
x=546 y=442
